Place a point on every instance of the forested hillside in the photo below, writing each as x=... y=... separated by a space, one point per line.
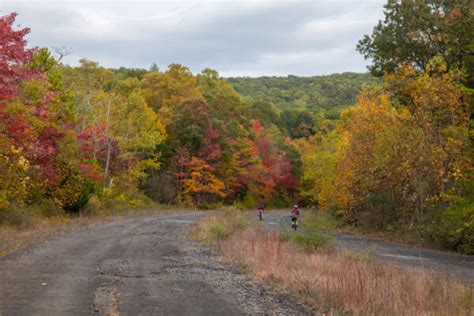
x=394 y=155
x=316 y=93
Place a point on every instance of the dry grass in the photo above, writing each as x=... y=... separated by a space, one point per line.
x=13 y=238
x=343 y=283
x=218 y=227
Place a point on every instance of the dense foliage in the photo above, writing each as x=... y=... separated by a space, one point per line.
x=298 y=105
x=416 y=31
x=67 y=133
x=402 y=157
x=388 y=154
x=215 y=151
x=305 y=93
x=70 y=132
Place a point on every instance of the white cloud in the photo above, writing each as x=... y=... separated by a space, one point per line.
x=250 y=37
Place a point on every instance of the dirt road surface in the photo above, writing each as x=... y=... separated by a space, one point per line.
x=144 y=266
x=451 y=264
x=149 y=266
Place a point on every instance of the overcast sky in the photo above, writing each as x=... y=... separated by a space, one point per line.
x=237 y=38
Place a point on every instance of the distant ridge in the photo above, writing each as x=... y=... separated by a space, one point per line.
x=314 y=93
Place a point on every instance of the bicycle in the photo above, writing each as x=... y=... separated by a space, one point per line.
x=295 y=213
x=260 y=209
x=294 y=223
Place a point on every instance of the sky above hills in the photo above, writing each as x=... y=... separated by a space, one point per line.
x=237 y=38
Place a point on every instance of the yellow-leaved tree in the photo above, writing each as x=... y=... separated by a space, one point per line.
x=201 y=184
x=400 y=153
x=320 y=156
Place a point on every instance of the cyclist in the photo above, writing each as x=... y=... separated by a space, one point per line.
x=260 y=209
x=295 y=213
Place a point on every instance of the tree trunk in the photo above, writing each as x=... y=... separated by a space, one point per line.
x=109 y=144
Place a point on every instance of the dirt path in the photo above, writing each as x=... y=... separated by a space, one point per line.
x=144 y=266
x=459 y=266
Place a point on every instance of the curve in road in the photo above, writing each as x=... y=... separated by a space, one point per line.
x=451 y=264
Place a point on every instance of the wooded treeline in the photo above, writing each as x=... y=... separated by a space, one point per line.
x=314 y=94
x=399 y=155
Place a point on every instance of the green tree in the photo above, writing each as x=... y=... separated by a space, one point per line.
x=415 y=31
x=165 y=90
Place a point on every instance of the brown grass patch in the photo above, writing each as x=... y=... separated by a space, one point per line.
x=334 y=282
x=220 y=226
x=15 y=238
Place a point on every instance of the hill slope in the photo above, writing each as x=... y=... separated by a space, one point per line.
x=305 y=93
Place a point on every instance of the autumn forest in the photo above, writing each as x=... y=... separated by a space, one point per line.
x=388 y=150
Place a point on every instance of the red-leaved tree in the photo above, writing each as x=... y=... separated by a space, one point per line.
x=13 y=57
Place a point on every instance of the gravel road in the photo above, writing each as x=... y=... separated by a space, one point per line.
x=459 y=266
x=149 y=266
x=143 y=266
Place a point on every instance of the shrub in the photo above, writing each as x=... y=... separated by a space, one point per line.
x=379 y=210
x=321 y=220
x=219 y=231
x=18 y=216
x=93 y=207
x=206 y=206
x=47 y=208
x=278 y=201
x=249 y=201
x=117 y=201
x=72 y=191
x=453 y=228
x=215 y=228
x=236 y=219
x=310 y=240
x=86 y=188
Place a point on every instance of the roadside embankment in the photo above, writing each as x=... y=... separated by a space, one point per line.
x=330 y=280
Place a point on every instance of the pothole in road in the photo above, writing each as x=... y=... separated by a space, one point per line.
x=106 y=300
x=113 y=267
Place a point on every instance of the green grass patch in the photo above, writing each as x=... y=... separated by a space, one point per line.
x=309 y=240
x=219 y=231
x=321 y=220
x=221 y=226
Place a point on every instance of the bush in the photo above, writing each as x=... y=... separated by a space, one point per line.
x=321 y=220
x=222 y=226
x=17 y=216
x=236 y=219
x=47 y=208
x=93 y=207
x=278 y=201
x=87 y=188
x=453 y=228
x=309 y=240
x=117 y=201
x=249 y=201
x=219 y=231
x=379 y=210
x=210 y=206
x=72 y=191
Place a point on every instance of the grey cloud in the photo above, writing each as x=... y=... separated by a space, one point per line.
x=236 y=38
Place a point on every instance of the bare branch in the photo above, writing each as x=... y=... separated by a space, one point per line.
x=61 y=51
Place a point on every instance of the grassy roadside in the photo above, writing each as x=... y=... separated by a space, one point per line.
x=14 y=238
x=410 y=235
x=329 y=281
